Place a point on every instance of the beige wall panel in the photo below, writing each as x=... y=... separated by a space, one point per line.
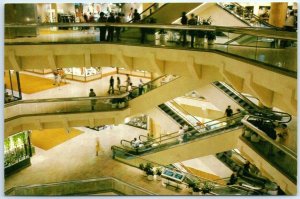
x=100 y=60
x=29 y=62
x=70 y=61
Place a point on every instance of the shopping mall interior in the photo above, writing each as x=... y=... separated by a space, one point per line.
x=170 y=99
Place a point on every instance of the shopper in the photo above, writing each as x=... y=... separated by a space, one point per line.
x=184 y=21
x=111 y=85
x=118 y=29
x=228 y=114
x=56 y=77
x=130 y=91
x=192 y=21
x=140 y=89
x=180 y=134
x=93 y=101
x=233 y=179
x=119 y=83
x=136 y=17
x=128 y=81
x=111 y=19
x=98 y=147
x=62 y=75
x=290 y=22
x=102 y=19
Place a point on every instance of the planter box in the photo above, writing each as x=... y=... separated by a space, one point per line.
x=16 y=167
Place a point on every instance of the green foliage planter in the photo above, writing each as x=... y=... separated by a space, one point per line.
x=16 y=152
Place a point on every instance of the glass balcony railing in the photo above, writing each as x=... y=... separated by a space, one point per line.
x=64 y=105
x=219 y=188
x=278 y=155
x=81 y=104
x=274 y=49
x=211 y=128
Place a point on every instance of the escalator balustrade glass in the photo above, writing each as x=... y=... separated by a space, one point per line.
x=261 y=137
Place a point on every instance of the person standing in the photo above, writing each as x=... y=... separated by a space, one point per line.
x=180 y=134
x=55 y=74
x=118 y=29
x=192 y=21
x=228 y=114
x=119 y=83
x=102 y=19
x=128 y=81
x=140 y=89
x=111 y=85
x=136 y=17
x=184 y=21
x=111 y=19
x=98 y=147
x=93 y=101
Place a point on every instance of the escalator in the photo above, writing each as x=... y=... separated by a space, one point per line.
x=275 y=160
x=175 y=116
x=243 y=14
x=223 y=132
x=249 y=106
x=169 y=12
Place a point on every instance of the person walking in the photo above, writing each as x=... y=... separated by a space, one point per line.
x=111 y=85
x=184 y=21
x=98 y=147
x=93 y=101
x=192 y=21
x=111 y=19
x=180 y=134
x=119 y=83
x=102 y=19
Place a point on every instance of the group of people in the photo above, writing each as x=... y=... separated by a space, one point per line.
x=59 y=76
x=195 y=34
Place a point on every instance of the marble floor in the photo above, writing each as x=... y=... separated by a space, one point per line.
x=79 y=89
x=75 y=159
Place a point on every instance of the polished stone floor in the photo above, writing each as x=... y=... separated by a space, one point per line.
x=75 y=159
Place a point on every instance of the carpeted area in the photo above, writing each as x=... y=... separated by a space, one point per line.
x=49 y=138
x=29 y=83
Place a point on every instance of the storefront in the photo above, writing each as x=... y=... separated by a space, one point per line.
x=12 y=86
x=17 y=152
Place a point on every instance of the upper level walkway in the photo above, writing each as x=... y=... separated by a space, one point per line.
x=265 y=68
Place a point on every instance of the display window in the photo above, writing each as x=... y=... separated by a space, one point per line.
x=138 y=73
x=88 y=73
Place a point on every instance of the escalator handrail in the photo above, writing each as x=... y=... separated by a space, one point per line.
x=249 y=102
x=249 y=125
x=123 y=140
x=234 y=14
x=150 y=82
x=185 y=111
x=204 y=125
x=257 y=18
x=144 y=12
x=176 y=135
x=180 y=115
x=114 y=147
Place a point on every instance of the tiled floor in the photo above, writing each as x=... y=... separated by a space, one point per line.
x=79 y=89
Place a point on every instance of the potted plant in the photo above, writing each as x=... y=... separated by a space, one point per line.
x=150 y=174
x=206 y=187
x=211 y=36
x=191 y=185
x=114 y=102
x=142 y=167
x=200 y=35
x=158 y=173
x=196 y=189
